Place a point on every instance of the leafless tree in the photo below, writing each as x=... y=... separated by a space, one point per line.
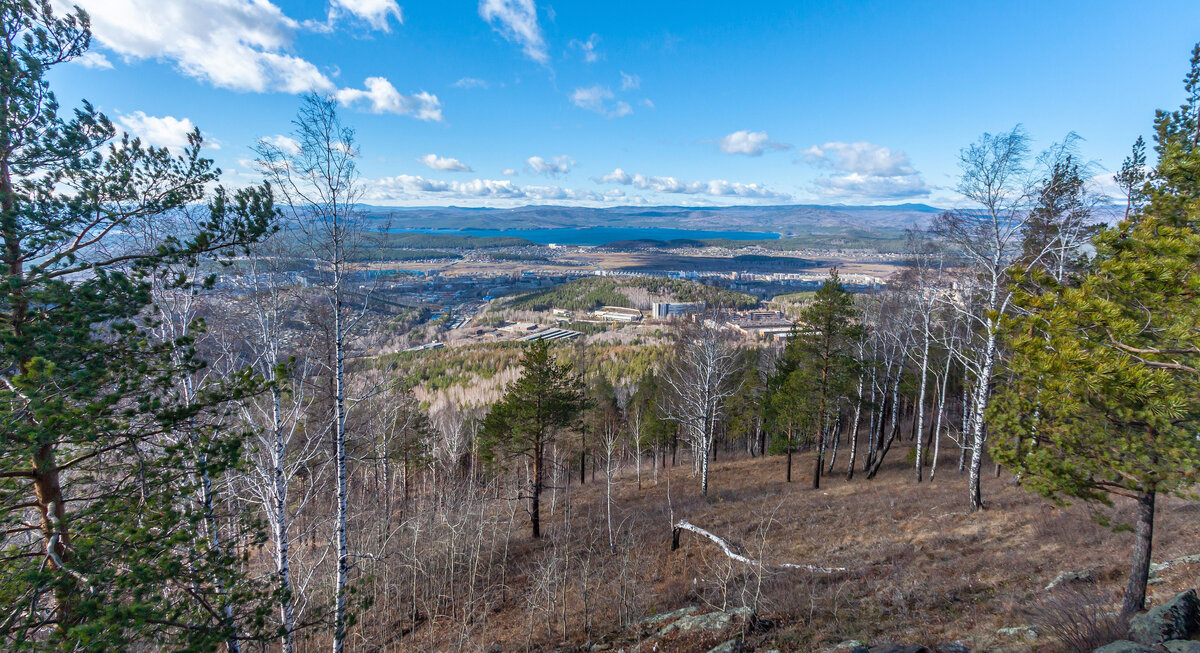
x=701 y=378
x=314 y=176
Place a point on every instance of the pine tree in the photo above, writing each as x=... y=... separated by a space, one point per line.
x=106 y=469
x=823 y=351
x=545 y=399
x=1106 y=372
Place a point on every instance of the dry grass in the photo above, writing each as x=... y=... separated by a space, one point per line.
x=922 y=568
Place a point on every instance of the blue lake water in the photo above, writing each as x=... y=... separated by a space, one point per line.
x=597 y=235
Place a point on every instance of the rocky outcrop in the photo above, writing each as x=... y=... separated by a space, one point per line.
x=690 y=623
x=1182 y=646
x=1178 y=618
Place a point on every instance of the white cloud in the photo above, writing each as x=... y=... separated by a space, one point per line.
x=597 y=99
x=647 y=103
x=94 y=60
x=374 y=12
x=285 y=144
x=167 y=131
x=629 y=82
x=470 y=82
x=588 y=48
x=446 y=164
x=714 y=188
x=749 y=143
x=381 y=97
x=417 y=188
x=553 y=167
x=236 y=44
x=865 y=171
x=861 y=157
x=516 y=21
x=508 y=172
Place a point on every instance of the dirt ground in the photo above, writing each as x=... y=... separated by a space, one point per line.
x=921 y=568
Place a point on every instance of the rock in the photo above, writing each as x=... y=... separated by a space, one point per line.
x=1178 y=618
x=1156 y=567
x=952 y=647
x=715 y=621
x=732 y=646
x=1182 y=646
x=1125 y=646
x=669 y=616
x=900 y=648
x=1024 y=632
x=1082 y=576
x=851 y=646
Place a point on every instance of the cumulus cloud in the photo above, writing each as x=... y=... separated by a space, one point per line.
x=714 y=188
x=516 y=21
x=243 y=45
x=381 y=97
x=446 y=164
x=236 y=45
x=599 y=99
x=588 y=48
x=374 y=12
x=168 y=131
x=508 y=172
x=552 y=167
x=749 y=143
x=94 y=60
x=866 y=171
x=285 y=144
x=418 y=188
x=629 y=82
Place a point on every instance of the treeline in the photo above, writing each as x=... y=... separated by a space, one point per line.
x=590 y=293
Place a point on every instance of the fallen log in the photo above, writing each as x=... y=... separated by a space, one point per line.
x=685 y=525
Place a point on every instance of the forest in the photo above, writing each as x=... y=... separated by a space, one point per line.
x=192 y=467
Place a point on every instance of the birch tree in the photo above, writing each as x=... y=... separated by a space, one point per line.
x=987 y=237
x=314 y=174
x=700 y=378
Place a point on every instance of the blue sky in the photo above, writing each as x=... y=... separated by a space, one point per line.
x=508 y=102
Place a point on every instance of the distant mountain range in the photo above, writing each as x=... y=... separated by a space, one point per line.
x=801 y=219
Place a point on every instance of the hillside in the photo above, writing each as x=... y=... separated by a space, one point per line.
x=631 y=292
x=920 y=568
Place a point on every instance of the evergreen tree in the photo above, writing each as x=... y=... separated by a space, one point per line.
x=106 y=470
x=1106 y=372
x=546 y=398
x=822 y=351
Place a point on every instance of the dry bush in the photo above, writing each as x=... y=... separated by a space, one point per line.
x=1081 y=617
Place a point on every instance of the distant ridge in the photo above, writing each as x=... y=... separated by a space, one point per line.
x=800 y=219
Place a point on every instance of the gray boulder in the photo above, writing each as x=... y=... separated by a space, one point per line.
x=1178 y=618
x=669 y=616
x=1182 y=646
x=851 y=646
x=900 y=648
x=953 y=647
x=712 y=621
x=1125 y=646
x=732 y=646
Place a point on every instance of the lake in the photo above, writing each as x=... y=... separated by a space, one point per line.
x=596 y=235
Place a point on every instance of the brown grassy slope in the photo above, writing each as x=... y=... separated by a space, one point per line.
x=922 y=568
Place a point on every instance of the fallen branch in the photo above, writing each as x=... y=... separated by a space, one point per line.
x=685 y=525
